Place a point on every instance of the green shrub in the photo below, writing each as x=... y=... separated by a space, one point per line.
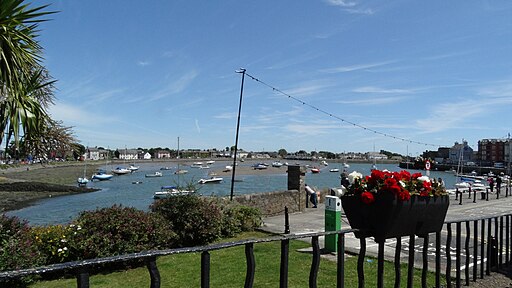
x=196 y=220
x=57 y=243
x=239 y=218
x=120 y=230
x=17 y=249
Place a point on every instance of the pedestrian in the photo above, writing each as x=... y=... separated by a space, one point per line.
x=344 y=179
x=491 y=183
x=498 y=184
x=313 y=198
x=440 y=181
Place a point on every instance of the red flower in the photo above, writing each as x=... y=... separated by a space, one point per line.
x=367 y=197
x=416 y=175
x=404 y=195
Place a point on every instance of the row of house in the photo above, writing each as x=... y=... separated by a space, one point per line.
x=491 y=152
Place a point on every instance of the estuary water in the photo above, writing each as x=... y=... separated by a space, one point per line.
x=120 y=190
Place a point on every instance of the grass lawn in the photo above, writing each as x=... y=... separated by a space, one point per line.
x=228 y=270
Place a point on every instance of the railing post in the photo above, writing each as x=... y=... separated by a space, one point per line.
x=469 y=192
x=286 y=221
x=82 y=279
x=205 y=269
x=154 y=274
x=460 y=198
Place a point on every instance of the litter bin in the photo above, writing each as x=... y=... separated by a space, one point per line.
x=332 y=221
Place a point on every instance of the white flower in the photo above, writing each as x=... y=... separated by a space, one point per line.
x=353 y=176
x=424 y=178
x=59 y=250
x=65 y=248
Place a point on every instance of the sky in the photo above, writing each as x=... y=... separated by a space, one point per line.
x=321 y=75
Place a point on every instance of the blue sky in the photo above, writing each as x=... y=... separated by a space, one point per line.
x=143 y=73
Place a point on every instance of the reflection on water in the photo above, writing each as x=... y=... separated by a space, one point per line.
x=121 y=191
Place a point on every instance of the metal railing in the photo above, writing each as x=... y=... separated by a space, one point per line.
x=486 y=247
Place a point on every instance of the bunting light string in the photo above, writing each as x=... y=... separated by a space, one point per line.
x=337 y=117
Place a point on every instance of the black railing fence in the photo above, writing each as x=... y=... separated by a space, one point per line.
x=464 y=251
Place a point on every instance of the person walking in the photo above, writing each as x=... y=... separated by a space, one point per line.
x=313 y=198
x=491 y=184
x=498 y=184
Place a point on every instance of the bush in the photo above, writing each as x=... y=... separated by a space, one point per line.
x=196 y=220
x=120 y=230
x=17 y=249
x=57 y=243
x=239 y=218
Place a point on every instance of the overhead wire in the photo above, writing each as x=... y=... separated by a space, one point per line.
x=337 y=117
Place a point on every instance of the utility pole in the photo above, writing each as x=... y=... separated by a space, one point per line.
x=242 y=70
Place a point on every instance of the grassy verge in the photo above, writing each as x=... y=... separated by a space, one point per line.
x=228 y=270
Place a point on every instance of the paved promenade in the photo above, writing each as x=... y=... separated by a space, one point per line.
x=312 y=220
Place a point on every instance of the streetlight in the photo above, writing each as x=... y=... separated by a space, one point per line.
x=242 y=70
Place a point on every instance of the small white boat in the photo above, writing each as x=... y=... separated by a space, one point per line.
x=136 y=182
x=170 y=191
x=133 y=168
x=82 y=181
x=210 y=180
x=101 y=176
x=196 y=164
x=277 y=164
x=315 y=170
x=156 y=174
x=210 y=162
x=121 y=171
x=324 y=163
x=260 y=166
x=345 y=165
x=165 y=168
x=204 y=167
x=228 y=168
x=181 y=171
x=334 y=170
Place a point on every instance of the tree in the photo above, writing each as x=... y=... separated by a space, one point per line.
x=282 y=152
x=25 y=85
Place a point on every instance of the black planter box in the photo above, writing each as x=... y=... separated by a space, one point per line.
x=389 y=218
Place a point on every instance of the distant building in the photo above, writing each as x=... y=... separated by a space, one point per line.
x=491 y=151
x=128 y=154
x=163 y=154
x=146 y=156
x=460 y=152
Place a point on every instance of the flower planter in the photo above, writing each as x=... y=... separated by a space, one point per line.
x=434 y=214
x=388 y=217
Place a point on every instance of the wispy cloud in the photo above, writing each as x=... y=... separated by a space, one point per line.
x=143 y=63
x=175 y=87
x=76 y=116
x=197 y=126
x=352 y=7
x=310 y=129
x=371 y=101
x=310 y=88
x=378 y=90
x=448 y=115
x=352 y=68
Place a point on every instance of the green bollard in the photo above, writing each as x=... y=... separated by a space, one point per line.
x=332 y=221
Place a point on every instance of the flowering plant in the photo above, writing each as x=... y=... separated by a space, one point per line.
x=400 y=184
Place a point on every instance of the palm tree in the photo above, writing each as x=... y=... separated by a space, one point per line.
x=26 y=89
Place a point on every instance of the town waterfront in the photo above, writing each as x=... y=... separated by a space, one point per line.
x=121 y=190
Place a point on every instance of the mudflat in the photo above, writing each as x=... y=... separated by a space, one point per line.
x=23 y=185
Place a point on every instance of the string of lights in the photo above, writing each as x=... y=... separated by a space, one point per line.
x=337 y=117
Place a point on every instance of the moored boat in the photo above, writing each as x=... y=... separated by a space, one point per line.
x=101 y=176
x=315 y=170
x=170 y=191
x=210 y=180
x=121 y=171
x=156 y=174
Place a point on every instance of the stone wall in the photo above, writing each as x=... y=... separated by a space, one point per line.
x=273 y=203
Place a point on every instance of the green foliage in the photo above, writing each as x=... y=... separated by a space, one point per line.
x=196 y=220
x=239 y=218
x=17 y=249
x=120 y=230
x=57 y=242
